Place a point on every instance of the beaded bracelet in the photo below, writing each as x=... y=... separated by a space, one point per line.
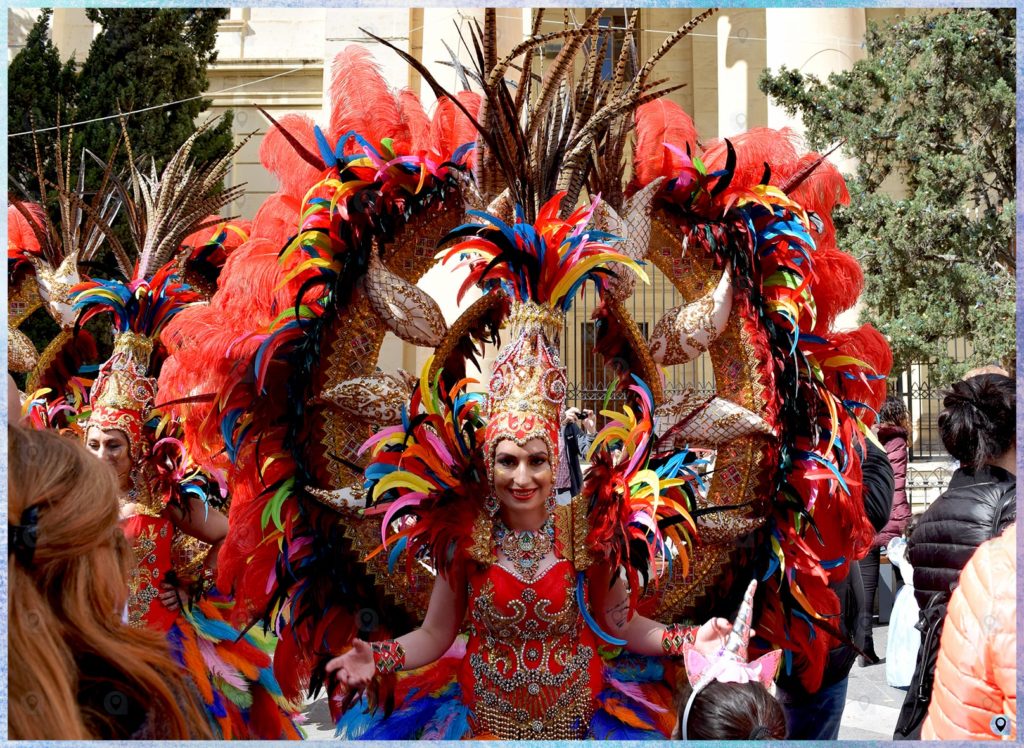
x=388 y=656
x=676 y=636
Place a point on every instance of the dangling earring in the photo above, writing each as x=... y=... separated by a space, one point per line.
x=491 y=504
x=551 y=502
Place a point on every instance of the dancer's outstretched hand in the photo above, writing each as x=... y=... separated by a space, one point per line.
x=354 y=669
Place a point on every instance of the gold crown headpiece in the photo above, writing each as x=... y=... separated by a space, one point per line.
x=123 y=394
x=541 y=267
x=527 y=388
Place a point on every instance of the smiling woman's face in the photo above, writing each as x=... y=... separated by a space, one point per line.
x=523 y=480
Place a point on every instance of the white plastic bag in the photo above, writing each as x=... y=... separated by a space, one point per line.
x=904 y=640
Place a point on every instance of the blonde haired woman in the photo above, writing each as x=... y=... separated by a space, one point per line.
x=77 y=671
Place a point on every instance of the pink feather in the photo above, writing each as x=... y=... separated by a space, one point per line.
x=361 y=99
x=219 y=668
x=659 y=123
x=416 y=121
x=635 y=691
x=294 y=174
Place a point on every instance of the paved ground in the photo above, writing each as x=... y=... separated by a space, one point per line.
x=871 y=707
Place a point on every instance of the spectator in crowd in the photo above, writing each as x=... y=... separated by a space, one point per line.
x=894 y=433
x=978 y=428
x=734 y=711
x=904 y=639
x=572 y=437
x=987 y=369
x=77 y=671
x=725 y=697
x=589 y=425
x=975 y=692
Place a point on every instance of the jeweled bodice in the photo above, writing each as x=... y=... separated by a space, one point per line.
x=150 y=538
x=531 y=669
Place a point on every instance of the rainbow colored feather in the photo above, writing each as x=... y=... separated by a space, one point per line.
x=547 y=262
x=426 y=475
x=765 y=236
x=640 y=507
x=142 y=305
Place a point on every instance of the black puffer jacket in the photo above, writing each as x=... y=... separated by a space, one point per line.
x=977 y=506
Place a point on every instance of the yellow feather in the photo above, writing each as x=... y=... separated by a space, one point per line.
x=401 y=479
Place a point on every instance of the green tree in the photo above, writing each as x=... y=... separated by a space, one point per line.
x=148 y=57
x=38 y=85
x=929 y=115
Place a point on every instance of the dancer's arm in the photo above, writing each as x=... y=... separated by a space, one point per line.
x=647 y=637
x=205 y=524
x=356 y=667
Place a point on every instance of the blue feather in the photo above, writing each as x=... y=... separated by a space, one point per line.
x=377 y=470
x=810 y=624
x=649 y=396
x=407 y=721
x=582 y=603
x=395 y=553
x=354 y=723
x=462 y=151
x=571 y=293
x=326 y=152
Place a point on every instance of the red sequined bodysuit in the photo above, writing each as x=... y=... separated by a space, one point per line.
x=150 y=538
x=531 y=669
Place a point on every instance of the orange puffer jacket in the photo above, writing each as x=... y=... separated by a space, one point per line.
x=976 y=671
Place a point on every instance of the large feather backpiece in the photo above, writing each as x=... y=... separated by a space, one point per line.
x=817 y=524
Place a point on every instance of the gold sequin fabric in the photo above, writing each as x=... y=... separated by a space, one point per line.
x=408 y=311
x=21 y=354
x=150 y=539
x=188 y=554
x=22 y=299
x=531 y=668
x=375 y=399
x=123 y=394
x=742 y=465
x=707 y=422
x=55 y=286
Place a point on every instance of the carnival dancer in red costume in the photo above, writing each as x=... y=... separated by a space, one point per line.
x=165 y=498
x=164 y=511
x=524 y=585
x=285 y=358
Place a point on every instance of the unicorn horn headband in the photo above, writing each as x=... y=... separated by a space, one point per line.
x=730 y=664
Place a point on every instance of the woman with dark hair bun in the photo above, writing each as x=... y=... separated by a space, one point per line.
x=978 y=428
x=734 y=711
x=725 y=696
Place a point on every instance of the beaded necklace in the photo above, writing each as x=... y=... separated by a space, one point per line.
x=525 y=548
